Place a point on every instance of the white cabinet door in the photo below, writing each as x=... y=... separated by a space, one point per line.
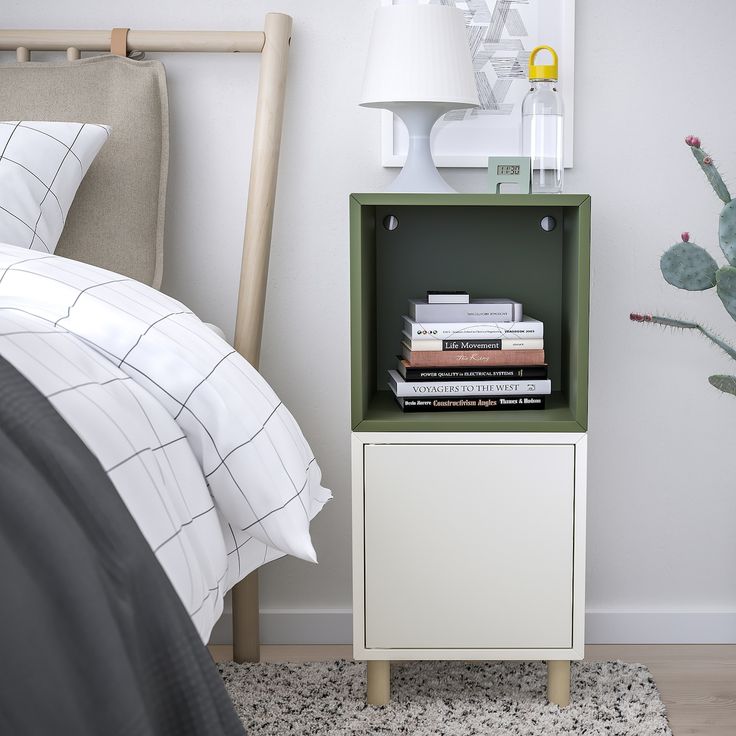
x=468 y=546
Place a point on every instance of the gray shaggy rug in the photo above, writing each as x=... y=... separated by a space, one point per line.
x=447 y=698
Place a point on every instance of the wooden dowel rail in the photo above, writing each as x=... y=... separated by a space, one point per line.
x=254 y=269
x=205 y=41
x=262 y=189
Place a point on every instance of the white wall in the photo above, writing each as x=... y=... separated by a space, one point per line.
x=662 y=549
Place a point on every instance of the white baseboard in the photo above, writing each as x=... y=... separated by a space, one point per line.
x=295 y=626
x=660 y=627
x=334 y=626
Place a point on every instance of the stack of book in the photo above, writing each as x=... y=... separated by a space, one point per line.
x=463 y=354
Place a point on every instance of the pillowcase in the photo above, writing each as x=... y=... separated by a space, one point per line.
x=259 y=468
x=42 y=165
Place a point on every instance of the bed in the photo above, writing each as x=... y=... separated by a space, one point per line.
x=157 y=352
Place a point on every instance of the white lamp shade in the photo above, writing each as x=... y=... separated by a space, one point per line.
x=419 y=53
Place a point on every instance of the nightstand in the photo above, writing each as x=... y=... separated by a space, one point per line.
x=469 y=527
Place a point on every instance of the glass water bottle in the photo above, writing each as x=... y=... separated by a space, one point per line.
x=542 y=125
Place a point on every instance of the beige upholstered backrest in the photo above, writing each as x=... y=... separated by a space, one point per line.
x=117 y=219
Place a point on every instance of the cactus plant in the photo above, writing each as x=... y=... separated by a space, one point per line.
x=687 y=266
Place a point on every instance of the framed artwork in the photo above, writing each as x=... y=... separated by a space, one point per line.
x=502 y=33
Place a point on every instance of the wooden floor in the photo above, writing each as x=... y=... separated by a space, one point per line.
x=697 y=682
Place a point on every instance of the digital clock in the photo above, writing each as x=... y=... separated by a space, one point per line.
x=507 y=170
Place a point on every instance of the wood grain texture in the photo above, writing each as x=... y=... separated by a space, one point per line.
x=697 y=682
x=378 y=690
x=246 y=619
x=87 y=40
x=262 y=187
x=558 y=682
x=254 y=268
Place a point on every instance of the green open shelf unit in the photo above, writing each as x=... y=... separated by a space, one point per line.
x=489 y=245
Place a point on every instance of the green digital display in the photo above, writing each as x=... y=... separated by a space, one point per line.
x=508 y=170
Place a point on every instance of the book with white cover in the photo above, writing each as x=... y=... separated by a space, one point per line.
x=400 y=387
x=477 y=310
x=527 y=327
x=507 y=343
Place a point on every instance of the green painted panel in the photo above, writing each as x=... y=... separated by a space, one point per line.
x=576 y=292
x=362 y=307
x=485 y=200
x=498 y=251
x=490 y=245
x=384 y=415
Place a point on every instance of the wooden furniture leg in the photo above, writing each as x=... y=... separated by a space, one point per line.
x=558 y=682
x=254 y=269
x=379 y=682
x=246 y=636
x=262 y=188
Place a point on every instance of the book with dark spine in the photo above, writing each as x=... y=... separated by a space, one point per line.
x=525 y=387
x=471 y=403
x=448 y=297
x=492 y=373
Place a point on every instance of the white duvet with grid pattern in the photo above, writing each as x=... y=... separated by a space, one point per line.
x=211 y=465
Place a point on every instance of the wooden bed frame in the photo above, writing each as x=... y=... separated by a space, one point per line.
x=273 y=45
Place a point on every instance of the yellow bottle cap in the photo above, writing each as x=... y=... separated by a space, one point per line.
x=542 y=71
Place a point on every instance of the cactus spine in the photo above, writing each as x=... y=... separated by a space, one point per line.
x=687 y=266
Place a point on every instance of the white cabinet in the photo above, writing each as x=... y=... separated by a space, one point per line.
x=468 y=545
x=469 y=526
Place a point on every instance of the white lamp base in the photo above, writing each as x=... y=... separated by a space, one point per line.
x=419 y=174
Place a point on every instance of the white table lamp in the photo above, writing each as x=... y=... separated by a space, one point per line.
x=419 y=67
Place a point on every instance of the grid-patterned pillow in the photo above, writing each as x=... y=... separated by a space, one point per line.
x=42 y=165
x=257 y=463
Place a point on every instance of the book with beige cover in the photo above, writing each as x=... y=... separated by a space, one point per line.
x=441 y=358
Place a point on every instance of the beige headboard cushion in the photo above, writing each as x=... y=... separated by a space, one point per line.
x=117 y=219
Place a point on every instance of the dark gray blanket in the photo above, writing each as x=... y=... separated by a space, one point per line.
x=93 y=638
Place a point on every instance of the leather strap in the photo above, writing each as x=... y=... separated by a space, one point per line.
x=119 y=41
